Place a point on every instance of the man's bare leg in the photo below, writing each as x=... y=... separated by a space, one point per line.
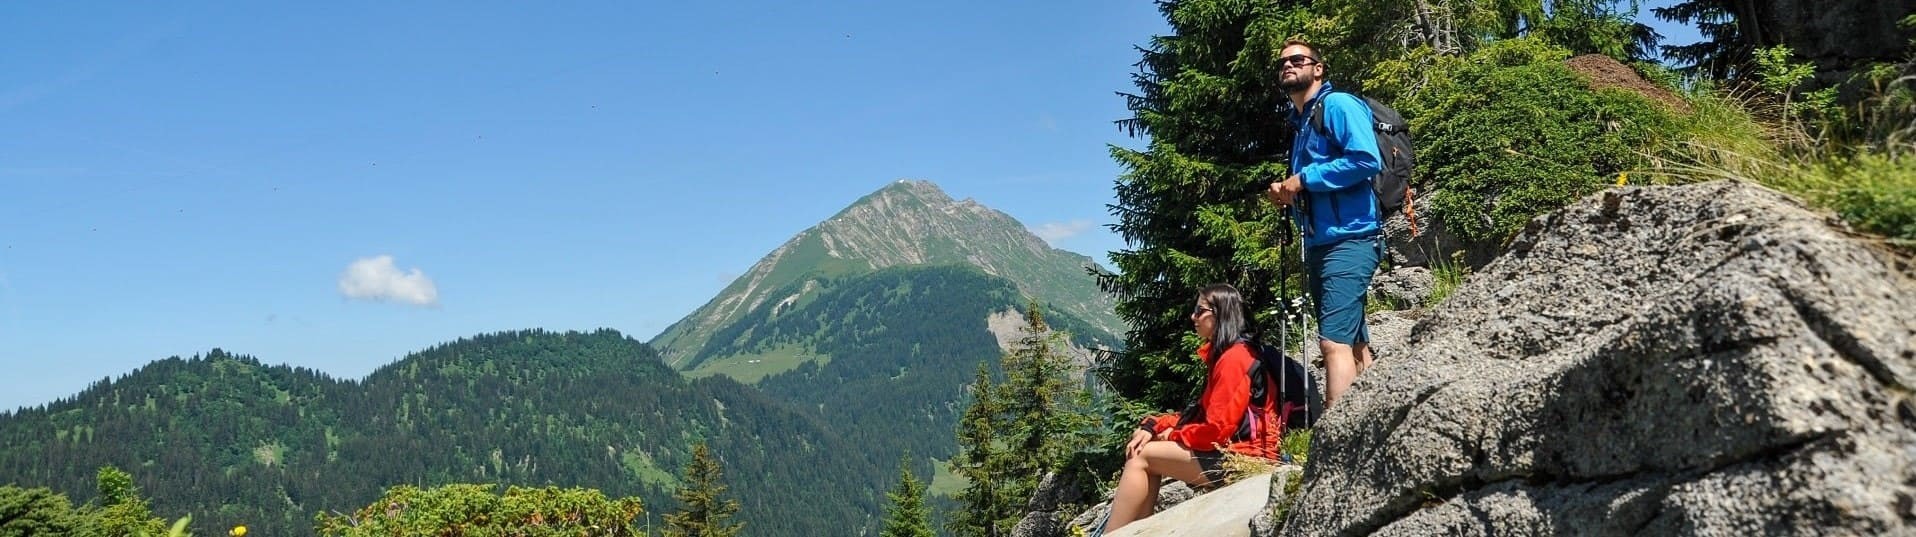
x=1342 y=364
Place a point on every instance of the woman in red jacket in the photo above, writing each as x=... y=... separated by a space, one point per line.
x=1190 y=446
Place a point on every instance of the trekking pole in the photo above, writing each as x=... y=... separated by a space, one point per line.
x=1283 y=290
x=1284 y=327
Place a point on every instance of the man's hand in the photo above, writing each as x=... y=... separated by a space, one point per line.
x=1284 y=193
x=1138 y=440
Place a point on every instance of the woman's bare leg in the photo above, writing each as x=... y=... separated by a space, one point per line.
x=1138 y=486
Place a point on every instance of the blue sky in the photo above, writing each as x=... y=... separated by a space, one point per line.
x=334 y=185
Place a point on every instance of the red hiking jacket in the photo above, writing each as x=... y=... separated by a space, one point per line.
x=1227 y=394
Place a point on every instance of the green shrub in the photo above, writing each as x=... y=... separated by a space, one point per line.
x=1297 y=444
x=480 y=510
x=1509 y=133
x=1873 y=192
x=1877 y=193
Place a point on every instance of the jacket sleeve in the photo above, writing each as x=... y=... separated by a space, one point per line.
x=1158 y=423
x=1227 y=392
x=1350 y=125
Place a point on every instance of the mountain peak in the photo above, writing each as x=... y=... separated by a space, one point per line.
x=918 y=187
x=913 y=194
x=906 y=222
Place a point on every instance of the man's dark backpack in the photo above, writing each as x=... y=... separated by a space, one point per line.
x=1392 y=184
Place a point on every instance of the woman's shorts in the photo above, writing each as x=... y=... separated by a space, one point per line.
x=1212 y=463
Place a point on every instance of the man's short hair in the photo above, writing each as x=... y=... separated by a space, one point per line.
x=1307 y=45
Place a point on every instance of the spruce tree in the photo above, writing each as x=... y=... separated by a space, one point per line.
x=1044 y=409
x=121 y=510
x=1014 y=433
x=1190 y=205
x=985 y=509
x=702 y=511
x=907 y=516
x=1728 y=45
x=28 y=512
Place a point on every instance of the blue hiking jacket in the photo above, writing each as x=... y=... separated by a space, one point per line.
x=1338 y=202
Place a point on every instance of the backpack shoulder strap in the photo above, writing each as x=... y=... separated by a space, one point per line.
x=1317 y=114
x=1317 y=118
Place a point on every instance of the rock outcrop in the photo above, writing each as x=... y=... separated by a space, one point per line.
x=1053 y=503
x=1428 y=242
x=1172 y=494
x=1225 y=512
x=1708 y=359
x=1835 y=34
x=1240 y=508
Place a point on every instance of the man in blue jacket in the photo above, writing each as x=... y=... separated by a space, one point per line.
x=1329 y=196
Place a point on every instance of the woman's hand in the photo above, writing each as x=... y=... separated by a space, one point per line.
x=1138 y=439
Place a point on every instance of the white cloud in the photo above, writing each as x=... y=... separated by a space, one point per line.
x=1053 y=232
x=376 y=279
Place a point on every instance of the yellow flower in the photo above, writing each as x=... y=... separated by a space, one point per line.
x=238 y=531
x=1623 y=178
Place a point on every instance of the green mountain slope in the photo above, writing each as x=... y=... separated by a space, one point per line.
x=903 y=343
x=231 y=441
x=903 y=224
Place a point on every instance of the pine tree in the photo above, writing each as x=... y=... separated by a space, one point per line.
x=984 y=507
x=116 y=486
x=907 y=516
x=1014 y=433
x=1190 y=204
x=702 y=513
x=28 y=512
x=1729 y=44
x=121 y=510
x=1044 y=410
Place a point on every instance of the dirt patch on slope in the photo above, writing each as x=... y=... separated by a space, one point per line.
x=1607 y=72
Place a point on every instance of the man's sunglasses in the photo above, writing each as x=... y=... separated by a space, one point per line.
x=1299 y=60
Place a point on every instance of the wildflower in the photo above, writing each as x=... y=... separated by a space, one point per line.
x=238 y=531
x=1623 y=177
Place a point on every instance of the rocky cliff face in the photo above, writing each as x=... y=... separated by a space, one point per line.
x=905 y=223
x=1708 y=359
x=1835 y=34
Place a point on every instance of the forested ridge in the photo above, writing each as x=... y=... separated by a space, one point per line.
x=231 y=441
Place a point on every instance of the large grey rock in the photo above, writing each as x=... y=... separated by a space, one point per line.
x=1404 y=287
x=1224 y=512
x=1431 y=243
x=1278 y=498
x=1839 y=35
x=1170 y=494
x=1057 y=497
x=1390 y=332
x=1709 y=359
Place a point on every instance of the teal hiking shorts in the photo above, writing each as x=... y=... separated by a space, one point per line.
x=1339 y=276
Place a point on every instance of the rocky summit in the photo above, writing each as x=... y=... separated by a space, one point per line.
x=1712 y=359
x=906 y=223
